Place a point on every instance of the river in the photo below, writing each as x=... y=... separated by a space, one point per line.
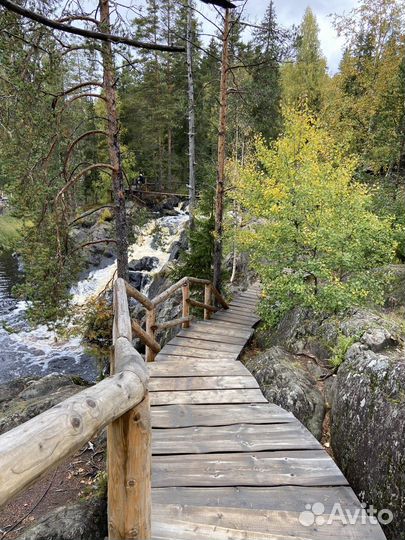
x=25 y=351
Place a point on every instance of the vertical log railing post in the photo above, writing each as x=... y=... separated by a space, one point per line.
x=186 y=304
x=128 y=441
x=150 y=330
x=207 y=300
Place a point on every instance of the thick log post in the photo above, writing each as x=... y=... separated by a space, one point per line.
x=186 y=303
x=129 y=456
x=150 y=330
x=129 y=475
x=207 y=300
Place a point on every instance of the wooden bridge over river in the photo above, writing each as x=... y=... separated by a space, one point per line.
x=195 y=451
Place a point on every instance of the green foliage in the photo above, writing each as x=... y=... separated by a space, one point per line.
x=305 y=79
x=313 y=238
x=97 y=325
x=47 y=274
x=338 y=352
x=366 y=107
x=10 y=231
x=106 y=215
x=197 y=261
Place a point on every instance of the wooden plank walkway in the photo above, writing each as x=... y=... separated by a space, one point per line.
x=226 y=463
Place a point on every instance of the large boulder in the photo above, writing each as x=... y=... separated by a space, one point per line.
x=368 y=427
x=81 y=521
x=146 y=264
x=284 y=381
x=22 y=399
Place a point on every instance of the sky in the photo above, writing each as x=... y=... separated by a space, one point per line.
x=290 y=12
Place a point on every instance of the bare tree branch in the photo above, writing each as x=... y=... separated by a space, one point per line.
x=15 y=8
x=80 y=174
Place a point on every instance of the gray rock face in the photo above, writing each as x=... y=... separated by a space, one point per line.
x=146 y=264
x=368 y=426
x=283 y=381
x=81 y=521
x=23 y=399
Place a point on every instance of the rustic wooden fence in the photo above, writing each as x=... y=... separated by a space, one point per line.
x=120 y=402
x=152 y=326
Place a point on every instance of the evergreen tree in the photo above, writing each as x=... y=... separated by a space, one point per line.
x=265 y=88
x=306 y=77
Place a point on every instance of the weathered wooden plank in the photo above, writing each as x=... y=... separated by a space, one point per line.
x=219 y=415
x=248 y=308
x=221 y=329
x=221 y=523
x=250 y=315
x=211 y=336
x=191 y=352
x=159 y=384
x=194 y=367
x=196 y=343
x=207 y=397
x=247 y=317
x=281 y=498
x=229 y=315
x=235 y=438
x=223 y=317
x=185 y=357
x=298 y=468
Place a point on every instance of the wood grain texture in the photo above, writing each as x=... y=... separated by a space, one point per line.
x=281 y=498
x=122 y=320
x=207 y=345
x=129 y=474
x=225 y=317
x=207 y=397
x=298 y=468
x=32 y=448
x=207 y=300
x=175 y=416
x=150 y=330
x=189 y=367
x=211 y=336
x=193 y=352
x=159 y=384
x=235 y=438
x=185 y=303
x=203 y=327
x=222 y=523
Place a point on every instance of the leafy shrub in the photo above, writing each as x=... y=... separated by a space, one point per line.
x=339 y=351
x=313 y=238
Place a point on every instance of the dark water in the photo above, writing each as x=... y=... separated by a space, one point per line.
x=33 y=352
x=9 y=276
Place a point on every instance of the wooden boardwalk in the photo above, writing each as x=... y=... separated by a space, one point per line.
x=226 y=463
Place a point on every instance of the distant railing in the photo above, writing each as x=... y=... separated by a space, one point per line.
x=152 y=326
x=120 y=402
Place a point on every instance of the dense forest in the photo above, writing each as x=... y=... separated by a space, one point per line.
x=151 y=148
x=285 y=112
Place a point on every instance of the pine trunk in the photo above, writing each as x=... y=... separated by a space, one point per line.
x=114 y=145
x=219 y=194
x=191 y=116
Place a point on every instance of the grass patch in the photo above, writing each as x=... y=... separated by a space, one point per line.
x=10 y=228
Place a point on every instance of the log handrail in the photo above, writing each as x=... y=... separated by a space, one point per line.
x=120 y=402
x=148 y=336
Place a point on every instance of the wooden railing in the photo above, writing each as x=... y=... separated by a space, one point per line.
x=120 y=402
x=152 y=326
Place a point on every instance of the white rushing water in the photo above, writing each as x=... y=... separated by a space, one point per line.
x=155 y=239
x=39 y=351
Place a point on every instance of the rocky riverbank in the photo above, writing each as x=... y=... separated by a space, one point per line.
x=344 y=378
